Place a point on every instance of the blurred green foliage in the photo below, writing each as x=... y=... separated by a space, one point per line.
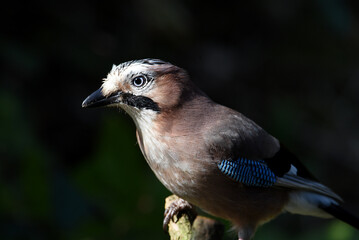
x=117 y=178
x=72 y=173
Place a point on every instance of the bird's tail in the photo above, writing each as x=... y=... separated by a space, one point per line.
x=339 y=212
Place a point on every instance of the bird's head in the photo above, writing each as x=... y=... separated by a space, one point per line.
x=148 y=86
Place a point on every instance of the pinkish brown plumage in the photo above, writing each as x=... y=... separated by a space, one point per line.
x=210 y=155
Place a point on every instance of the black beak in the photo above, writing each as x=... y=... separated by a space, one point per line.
x=97 y=99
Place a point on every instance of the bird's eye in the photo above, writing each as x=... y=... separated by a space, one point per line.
x=139 y=81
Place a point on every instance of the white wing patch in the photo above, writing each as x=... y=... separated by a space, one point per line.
x=306 y=195
x=293 y=170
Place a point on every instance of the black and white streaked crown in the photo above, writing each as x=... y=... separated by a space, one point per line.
x=145 y=61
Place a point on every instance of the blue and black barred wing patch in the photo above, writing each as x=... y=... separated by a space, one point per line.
x=248 y=172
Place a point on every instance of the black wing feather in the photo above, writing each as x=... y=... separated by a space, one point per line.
x=281 y=163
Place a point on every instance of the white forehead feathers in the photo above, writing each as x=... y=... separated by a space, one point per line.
x=119 y=74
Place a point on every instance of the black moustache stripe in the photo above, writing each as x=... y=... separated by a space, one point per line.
x=140 y=102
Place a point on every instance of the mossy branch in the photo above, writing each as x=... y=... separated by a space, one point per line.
x=185 y=228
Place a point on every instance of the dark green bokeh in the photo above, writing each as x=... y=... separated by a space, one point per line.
x=72 y=173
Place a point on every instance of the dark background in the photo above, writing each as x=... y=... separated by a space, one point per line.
x=72 y=173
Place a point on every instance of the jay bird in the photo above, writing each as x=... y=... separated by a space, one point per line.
x=209 y=155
